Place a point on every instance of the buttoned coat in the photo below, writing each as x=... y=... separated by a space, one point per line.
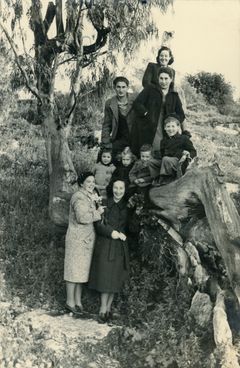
x=110 y=263
x=80 y=237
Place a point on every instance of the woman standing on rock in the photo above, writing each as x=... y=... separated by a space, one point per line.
x=110 y=264
x=80 y=239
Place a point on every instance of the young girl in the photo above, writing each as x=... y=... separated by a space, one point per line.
x=103 y=171
x=110 y=264
x=125 y=166
x=164 y=58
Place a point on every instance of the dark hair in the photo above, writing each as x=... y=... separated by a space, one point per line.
x=172 y=117
x=105 y=150
x=146 y=147
x=165 y=48
x=110 y=186
x=167 y=70
x=83 y=176
x=120 y=79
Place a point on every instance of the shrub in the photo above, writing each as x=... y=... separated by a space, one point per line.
x=213 y=87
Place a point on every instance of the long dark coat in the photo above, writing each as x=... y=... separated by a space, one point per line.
x=110 y=262
x=147 y=107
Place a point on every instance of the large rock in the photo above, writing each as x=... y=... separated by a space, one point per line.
x=201 y=309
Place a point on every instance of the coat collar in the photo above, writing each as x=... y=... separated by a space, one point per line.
x=175 y=136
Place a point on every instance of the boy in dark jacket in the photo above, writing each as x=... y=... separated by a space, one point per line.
x=143 y=171
x=175 y=148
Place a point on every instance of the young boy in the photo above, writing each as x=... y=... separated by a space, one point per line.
x=174 y=149
x=142 y=173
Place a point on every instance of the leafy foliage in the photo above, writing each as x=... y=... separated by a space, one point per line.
x=213 y=87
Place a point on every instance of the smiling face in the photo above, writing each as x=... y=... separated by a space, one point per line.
x=171 y=128
x=121 y=89
x=164 y=81
x=118 y=190
x=106 y=158
x=126 y=160
x=145 y=156
x=89 y=184
x=164 y=58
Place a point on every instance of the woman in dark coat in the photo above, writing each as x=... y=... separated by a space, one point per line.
x=110 y=263
x=164 y=58
x=152 y=106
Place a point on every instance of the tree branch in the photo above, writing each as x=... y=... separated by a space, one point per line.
x=36 y=23
x=30 y=87
x=59 y=20
x=50 y=14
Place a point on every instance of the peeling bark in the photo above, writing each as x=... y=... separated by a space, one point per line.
x=205 y=186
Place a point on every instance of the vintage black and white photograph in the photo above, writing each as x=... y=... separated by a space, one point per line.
x=120 y=184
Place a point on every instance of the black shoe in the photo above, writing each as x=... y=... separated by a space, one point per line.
x=79 y=309
x=109 y=315
x=72 y=310
x=102 y=318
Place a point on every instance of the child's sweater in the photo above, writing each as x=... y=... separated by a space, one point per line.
x=103 y=174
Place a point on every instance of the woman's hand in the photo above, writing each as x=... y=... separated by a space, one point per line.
x=122 y=236
x=115 y=235
x=101 y=209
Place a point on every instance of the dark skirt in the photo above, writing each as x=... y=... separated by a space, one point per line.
x=110 y=265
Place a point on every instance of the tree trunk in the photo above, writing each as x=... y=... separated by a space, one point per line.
x=62 y=174
x=205 y=187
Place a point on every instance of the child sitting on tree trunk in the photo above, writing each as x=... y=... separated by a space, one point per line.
x=143 y=171
x=175 y=149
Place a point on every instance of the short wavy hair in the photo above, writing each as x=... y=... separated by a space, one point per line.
x=165 y=48
x=83 y=176
x=120 y=79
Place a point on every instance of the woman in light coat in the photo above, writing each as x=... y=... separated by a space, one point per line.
x=80 y=238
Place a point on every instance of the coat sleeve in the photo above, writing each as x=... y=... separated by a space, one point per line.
x=188 y=146
x=107 y=124
x=133 y=173
x=179 y=111
x=104 y=229
x=148 y=76
x=139 y=104
x=83 y=212
x=162 y=147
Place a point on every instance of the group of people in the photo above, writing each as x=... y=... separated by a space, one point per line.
x=144 y=143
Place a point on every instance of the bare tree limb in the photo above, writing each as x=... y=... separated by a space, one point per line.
x=29 y=86
x=50 y=14
x=59 y=19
